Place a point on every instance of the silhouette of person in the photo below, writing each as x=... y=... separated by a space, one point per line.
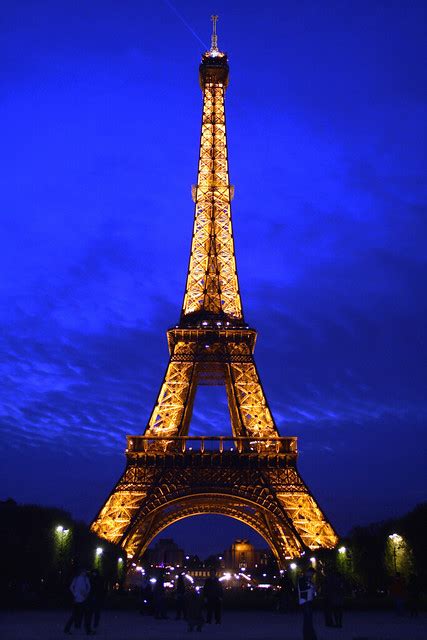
x=414 y=592
x=398 y=592
x=333 y=593
x=146 y=596
x=194 y=608
x=286 y=594
x=212 y=593
x=180 y=598
x=306 y=595
x=80 y=588
x=95 y=599
x=159 y=600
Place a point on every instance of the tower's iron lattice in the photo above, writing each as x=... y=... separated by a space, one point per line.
x=253 y=475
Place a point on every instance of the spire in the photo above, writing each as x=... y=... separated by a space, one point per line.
x=214 y=38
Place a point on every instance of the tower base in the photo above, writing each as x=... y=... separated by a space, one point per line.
x=255 y=482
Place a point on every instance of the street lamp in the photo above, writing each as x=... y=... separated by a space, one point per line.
x=98 y=557
x=120 y=568
x=61 y=535
x=396 y=539
x=342 y=550
x=60 y=529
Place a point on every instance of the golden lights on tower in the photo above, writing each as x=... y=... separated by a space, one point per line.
x=251 y=476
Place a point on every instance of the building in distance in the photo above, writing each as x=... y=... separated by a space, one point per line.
x=165 y=553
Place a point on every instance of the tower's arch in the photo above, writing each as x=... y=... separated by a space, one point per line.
x=257 y=485
x=259 y=519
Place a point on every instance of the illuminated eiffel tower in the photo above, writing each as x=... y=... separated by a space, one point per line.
x=251 y=476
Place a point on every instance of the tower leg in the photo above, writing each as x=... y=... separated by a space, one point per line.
x=172 y=412
x=248 y=405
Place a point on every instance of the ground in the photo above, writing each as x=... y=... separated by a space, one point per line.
x=118 y=625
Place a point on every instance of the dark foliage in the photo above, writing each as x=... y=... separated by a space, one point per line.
x=368 y=548
x=39 y=560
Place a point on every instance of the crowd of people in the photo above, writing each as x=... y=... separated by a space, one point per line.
x=198 y=606
x=331 y=589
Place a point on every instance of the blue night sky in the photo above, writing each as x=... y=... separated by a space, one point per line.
x=100 y=114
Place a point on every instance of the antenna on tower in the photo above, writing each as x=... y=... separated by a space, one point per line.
x=214 y=39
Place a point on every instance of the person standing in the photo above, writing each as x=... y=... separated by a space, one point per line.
x=146 y=596
x=333 y=597
x=398 y=593
x=159 y=600
x=194 y=609
x=414 y=592
x=212 y=594
x=286 y=594
x=80 y=588
x=180 y=598
x=336 y=594
x=95 y=600
x=325 y=592
x=306 y=595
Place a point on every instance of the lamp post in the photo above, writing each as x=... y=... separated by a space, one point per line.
x=395 y=539
x=120 y=569
x=61 y=537
x=98 y=556
x=294 y=568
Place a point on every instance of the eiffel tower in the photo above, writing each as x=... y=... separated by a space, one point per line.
x=251 y=476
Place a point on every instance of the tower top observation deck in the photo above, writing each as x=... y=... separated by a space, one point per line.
x=214 y=65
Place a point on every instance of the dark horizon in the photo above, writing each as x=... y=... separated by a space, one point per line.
x=326 y=116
